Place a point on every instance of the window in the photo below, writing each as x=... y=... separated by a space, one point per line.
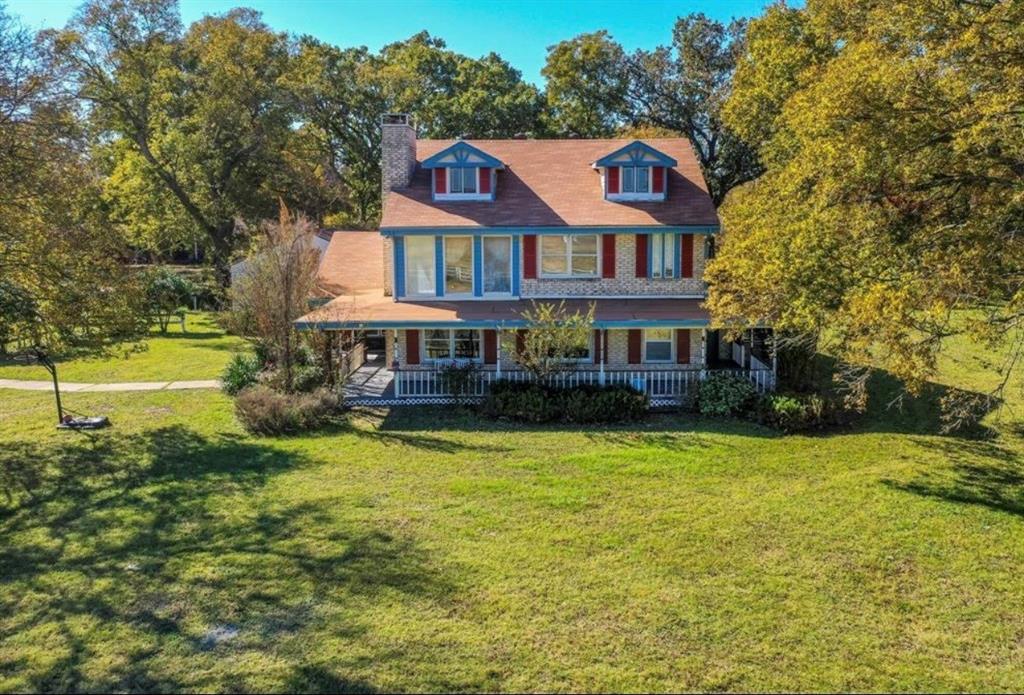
x=444 y=344
x=569 y=255
x=419 y=266
x=461 y=180
x=458 y=265
x=636 y=179
x=658 y=345
x=663 y=255
x=497 y=265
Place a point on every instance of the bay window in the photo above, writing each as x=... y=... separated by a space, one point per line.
x=497 y=264
x=446 y=344
x=658 y=345
x=663 y=255
x=569 y=255
x=458 y=265
x=419 y=266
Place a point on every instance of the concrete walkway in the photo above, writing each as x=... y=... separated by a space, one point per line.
x=72 y=387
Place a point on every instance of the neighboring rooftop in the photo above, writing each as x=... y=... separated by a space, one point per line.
x=552 y=183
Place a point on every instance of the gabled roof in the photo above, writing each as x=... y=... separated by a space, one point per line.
x=552 y=183
x=459 y=155
x=636 y=152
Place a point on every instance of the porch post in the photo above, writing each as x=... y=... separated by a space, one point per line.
x=497 y=359
x=602 y=351
x=704 y=347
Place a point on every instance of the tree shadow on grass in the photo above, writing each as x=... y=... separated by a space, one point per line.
x=134 y=554
x=983 y=473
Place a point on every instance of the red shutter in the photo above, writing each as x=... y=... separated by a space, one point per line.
x=440 y=182
x=682 y=346
x=613 y=180
x=485 y=180
x=686 y=262
x=490 y=347
x=412 y=347
x=634 y=346
x=658 y=185
x=641 y=255
x=597 y=346
x=607 y=255
x=530 y=256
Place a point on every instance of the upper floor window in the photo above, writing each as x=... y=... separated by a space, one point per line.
x=636 y=172
x=497 y=264
x=463 y=172
x=462 y=180
x=458 y=265
x=569 y=255
x=420 y=266
x=663 y=255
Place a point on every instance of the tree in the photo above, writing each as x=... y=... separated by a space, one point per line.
x=552 y=340
x=275 y=288
x=167 y=294
x=203 y=109
x=587 y=85
x=596 y=90
x=64 y=285
x=683 y=88
x=889 y=218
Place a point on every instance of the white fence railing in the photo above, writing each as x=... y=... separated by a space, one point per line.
x=659 y=385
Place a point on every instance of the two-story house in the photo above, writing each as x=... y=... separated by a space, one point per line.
x=474 y=231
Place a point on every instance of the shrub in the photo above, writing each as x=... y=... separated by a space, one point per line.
x=459 y=379
x=242 y=371
x=261 y=410
x=794 y=413
x=529 y=402
x=725 y=394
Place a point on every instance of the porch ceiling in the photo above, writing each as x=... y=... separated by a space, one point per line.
x=378 y=311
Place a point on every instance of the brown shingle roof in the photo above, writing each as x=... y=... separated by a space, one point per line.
x=551 y=183
x=352 y=264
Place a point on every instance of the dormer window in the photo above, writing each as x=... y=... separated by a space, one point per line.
x=463 y=172
x=636 y=172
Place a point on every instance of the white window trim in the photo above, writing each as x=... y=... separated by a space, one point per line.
x=408 y=270
x=671 y=344
x=568 y=251
x=444 y=265
x=668 y=250
x=426 y=359
x=483 y=267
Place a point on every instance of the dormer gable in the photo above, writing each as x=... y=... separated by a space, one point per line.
x=636 y=172
x=462 y=172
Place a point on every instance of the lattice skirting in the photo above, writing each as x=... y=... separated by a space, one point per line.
x=656 y=403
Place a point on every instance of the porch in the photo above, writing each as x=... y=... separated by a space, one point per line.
x=375 y=384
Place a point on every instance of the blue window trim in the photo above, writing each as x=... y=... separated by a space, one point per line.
x=516 y=244
x=461 y=150
x=595 y=229
x=439 y=264
x=677 y=249
x=478 y=266
x=636 y=150
x=399 y=266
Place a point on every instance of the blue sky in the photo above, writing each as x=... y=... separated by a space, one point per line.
x=519 y=31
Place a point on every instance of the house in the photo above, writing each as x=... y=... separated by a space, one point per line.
x=474 y=231
x=321 y=241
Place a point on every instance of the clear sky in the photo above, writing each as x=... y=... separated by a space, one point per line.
x=519 y=31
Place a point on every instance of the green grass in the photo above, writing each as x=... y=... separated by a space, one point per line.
x=428 y=550
x=200 y=353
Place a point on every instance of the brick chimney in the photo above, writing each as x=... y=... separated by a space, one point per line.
x=398 y=151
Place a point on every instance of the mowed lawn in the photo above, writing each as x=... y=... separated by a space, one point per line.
x=430 y=550
x=201 y=352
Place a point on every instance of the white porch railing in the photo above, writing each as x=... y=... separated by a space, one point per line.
x=659 y=385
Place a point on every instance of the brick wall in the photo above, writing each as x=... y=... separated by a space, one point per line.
x=625 y=281
x=398 y=153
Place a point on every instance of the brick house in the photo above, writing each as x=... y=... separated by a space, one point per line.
x=474 y=231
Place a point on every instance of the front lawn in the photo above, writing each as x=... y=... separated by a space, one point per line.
x=201 y=352
x=428 y=550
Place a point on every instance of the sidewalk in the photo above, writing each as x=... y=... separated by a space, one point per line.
x=72 y=387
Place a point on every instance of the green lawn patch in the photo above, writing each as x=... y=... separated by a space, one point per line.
x=201 y=352
x=427 y=549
